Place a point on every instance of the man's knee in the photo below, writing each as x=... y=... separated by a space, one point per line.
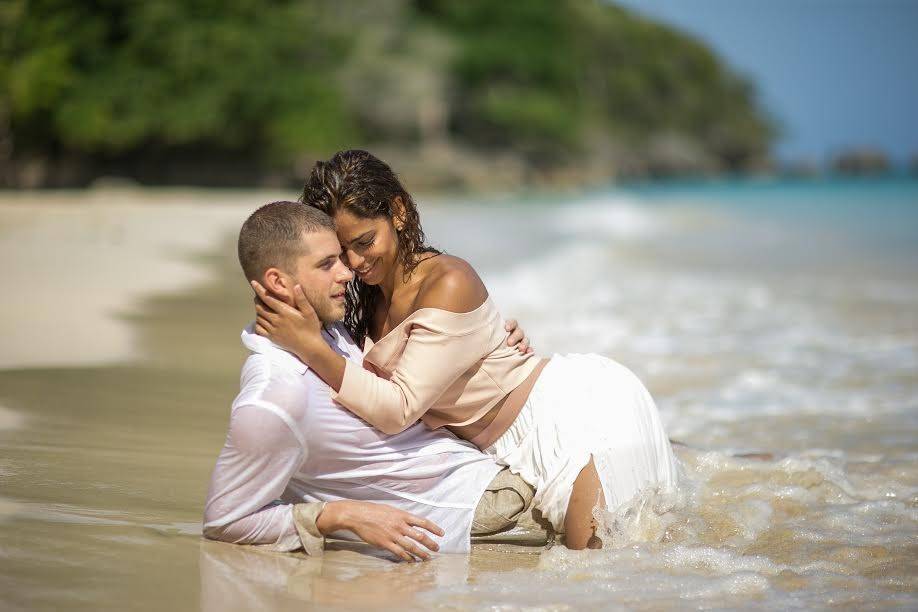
x=502 y=504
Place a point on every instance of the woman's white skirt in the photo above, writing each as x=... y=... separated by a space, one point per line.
x=586 y=406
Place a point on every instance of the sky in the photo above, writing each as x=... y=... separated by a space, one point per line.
x=834 y=73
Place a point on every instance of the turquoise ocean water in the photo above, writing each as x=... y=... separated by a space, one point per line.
x=763 y=315
x=877 y=213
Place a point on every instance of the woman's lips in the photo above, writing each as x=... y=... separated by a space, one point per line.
x=363 y=273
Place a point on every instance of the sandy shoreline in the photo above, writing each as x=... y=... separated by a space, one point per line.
x=76 y=262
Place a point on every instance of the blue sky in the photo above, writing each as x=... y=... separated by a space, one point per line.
x=835 y=73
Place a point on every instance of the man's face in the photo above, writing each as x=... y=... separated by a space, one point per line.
x=323 y=275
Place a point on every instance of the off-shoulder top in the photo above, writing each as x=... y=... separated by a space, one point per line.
x=446 y=368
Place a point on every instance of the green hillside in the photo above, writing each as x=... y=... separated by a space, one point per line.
x=236 y=91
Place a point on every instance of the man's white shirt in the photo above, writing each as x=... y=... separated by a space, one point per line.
x=289 y=443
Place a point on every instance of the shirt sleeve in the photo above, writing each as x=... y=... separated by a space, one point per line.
x=430 y=363
x=260 y=455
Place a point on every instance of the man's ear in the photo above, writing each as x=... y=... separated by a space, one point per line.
x=398 y=213
x=278 y=284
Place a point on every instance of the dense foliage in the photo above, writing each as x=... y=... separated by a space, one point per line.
x=281 y=80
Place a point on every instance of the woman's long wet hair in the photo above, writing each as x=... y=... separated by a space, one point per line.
x=365 y=186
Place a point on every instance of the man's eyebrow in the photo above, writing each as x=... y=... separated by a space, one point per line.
x=326 y=260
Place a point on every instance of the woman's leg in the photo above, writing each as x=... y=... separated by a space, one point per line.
x=579 y=524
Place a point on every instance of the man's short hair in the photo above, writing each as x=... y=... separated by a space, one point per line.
x=272 y=236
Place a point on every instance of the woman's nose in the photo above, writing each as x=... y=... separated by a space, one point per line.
x=353 y=260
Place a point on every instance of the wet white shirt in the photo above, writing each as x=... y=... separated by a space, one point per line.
x=288 y=443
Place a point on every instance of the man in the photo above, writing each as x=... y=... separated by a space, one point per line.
x=296 y=467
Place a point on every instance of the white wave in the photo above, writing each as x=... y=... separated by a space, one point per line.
x=608 y=216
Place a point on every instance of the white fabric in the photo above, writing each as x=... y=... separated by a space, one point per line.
x=585 y=405
x=289 y=443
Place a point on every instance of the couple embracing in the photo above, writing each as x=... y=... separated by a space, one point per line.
x=442 y=426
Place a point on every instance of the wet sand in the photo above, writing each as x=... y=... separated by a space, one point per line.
x=107 y=441
x=104 y=468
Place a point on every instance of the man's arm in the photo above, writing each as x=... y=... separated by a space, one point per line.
x=516 y=336
x=260 y=456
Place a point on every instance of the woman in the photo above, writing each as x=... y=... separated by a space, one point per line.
x=581 y=429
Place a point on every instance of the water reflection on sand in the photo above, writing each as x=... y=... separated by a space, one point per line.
x=352 y=575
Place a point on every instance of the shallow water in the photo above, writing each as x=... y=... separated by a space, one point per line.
x=760 y=317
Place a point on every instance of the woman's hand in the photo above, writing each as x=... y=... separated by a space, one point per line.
x=297 y=330
x=517 y=337
x=397 y=531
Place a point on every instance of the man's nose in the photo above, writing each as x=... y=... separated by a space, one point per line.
x=345 y=275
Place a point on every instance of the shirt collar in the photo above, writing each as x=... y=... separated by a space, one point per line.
x=263 y=346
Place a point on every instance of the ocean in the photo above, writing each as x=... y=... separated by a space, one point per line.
x=764 y=316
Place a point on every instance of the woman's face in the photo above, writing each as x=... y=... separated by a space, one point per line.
x=369 y=246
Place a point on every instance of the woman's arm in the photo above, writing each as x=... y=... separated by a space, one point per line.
x=432 y=360
x=430 y=363
x=299 y=331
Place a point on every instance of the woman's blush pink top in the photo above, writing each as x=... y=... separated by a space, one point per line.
x=446 y=368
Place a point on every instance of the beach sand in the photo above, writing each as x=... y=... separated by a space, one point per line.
x=113 y=417
x=77 y=265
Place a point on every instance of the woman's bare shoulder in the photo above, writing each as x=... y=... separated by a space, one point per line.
x=451 y=284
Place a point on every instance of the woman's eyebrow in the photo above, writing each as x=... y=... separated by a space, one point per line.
x=361 y=236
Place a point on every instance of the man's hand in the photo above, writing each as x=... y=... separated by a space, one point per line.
x=517 y=337
x=399 y=532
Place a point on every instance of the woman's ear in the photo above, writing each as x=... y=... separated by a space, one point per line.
x=398 y=213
